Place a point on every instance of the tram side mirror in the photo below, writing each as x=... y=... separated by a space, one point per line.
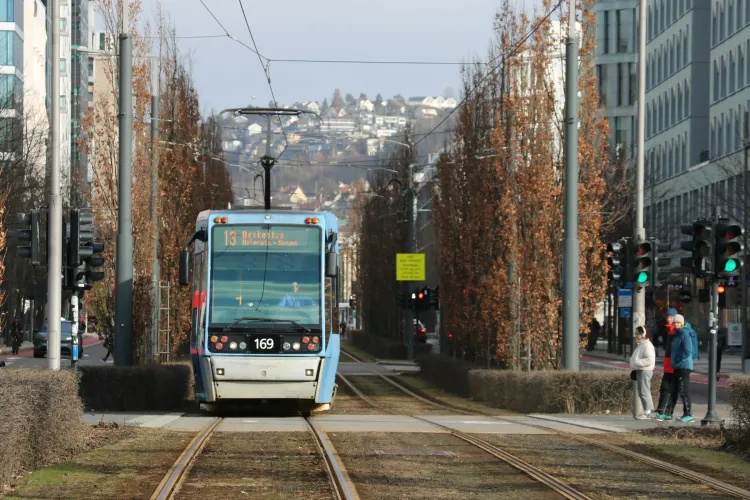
x=185 y=267
x=331 y=265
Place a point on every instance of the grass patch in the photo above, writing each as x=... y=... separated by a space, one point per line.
x=130 y=468
x=348 y=346
x=702 y=449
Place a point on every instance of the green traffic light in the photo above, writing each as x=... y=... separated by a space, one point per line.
x=642 y=277
x=730 y=266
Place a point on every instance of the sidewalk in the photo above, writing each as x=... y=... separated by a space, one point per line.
x=27 y=347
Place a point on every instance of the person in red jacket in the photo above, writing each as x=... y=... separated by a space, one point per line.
x=665 y=390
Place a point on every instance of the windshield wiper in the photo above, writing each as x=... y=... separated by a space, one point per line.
x=266 y=320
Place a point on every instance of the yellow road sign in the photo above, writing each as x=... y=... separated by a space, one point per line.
x=410 y=267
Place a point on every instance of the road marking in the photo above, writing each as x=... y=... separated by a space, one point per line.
x=483 y=422
x=249 y=421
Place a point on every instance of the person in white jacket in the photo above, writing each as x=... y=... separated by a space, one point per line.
x=642 y=362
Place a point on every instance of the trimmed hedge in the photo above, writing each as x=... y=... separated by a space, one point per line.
x=448 y=373
x=384 y=348
x=42 y=419
x=537 y=391
x=738 y=436
x=135 y=388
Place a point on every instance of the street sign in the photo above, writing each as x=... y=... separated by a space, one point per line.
x=624 y=312
x=625 y=298
x=410 y=267
x=734 y=334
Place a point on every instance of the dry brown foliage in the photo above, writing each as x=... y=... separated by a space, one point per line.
x=42 y=419
x=192 y=176
x=499 y=214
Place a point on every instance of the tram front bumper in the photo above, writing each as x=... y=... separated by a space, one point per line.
x=256 y=377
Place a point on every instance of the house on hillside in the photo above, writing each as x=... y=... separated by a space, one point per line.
x=254 y=129
x=366 y=105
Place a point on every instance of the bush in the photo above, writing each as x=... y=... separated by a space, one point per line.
x=42 y=419
x=447 y=373
x=557 y=391
x=135 y=388
x=384 y=348
x=738 y=436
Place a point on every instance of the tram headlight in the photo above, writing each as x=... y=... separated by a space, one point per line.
x=214 y=339
x=296 y=346
x=287 y=346
x=233 y=346
x=243 y=346
x=316 y=340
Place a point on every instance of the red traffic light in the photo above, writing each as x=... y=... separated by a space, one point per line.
x=722 y=289
x=420 y=296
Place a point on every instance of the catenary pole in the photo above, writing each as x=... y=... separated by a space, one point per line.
x=124 y=257
x=155 y=271
x=54 y=278
x=570 y=272
x=639 y=231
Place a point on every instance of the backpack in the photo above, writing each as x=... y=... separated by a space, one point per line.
x=694 y=339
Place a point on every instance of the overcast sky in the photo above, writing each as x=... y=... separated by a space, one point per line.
x=228 y=75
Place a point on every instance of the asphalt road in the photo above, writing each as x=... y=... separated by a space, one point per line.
x=92 y=355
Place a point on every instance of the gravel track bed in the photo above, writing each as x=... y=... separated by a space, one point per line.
x=412 y=473
x=258 y=465
x=598 y=473
x=348 y=403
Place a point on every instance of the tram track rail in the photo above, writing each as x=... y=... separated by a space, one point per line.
x=697 y=477
x=341 y=484
x=560 y=487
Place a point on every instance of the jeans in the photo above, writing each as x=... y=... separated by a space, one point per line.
x=665 y=392
x=643 y=383
x=681 y=386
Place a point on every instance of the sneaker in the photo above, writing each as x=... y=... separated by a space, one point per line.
x=664 y=417
x=686 y=419
x=643 y=416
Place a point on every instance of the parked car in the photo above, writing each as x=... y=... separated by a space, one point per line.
x=66 y=341
x=420 y=333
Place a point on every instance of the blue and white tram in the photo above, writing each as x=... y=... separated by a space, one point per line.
x=263 y=323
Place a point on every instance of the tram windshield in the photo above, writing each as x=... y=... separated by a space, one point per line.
x=267 y=272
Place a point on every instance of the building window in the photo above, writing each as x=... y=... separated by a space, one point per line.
x=11 y=49
x=686 y=46
x=730 y=26
x=741 y=66
x=714 y=30
x=679 y=102
x=723 y=77
x=7 y=13
x=63 y=65
x=716 y=81
x=720 y=138
x=732 y=71
x=739 y=15
x=624 y=30
x=633 y=83
x=63 y=24
x=722 y=25
x=62 y=102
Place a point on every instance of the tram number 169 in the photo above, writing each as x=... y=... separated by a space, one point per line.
x=264 y=344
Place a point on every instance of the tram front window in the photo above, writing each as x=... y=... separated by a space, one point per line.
x=268 y=272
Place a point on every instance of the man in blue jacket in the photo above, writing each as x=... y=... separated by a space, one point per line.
x=682 y=350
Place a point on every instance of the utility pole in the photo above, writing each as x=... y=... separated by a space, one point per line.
x=639 y=231
x=54 y=269
x=411 y=215
x=570 y=274
x=743 y=281
x=124 y=265
x=267 y=162
x=155 y=271
x=713 y=328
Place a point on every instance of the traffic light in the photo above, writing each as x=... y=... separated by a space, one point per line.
x=700 y=246
x=643 y=262
x=80 y=248
x=729 y=249
x=422 y=300
x=617 y=261
x=29 y=233
x=722 y=297
x=94 y=261
x=659 y=274
x=435 y=298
